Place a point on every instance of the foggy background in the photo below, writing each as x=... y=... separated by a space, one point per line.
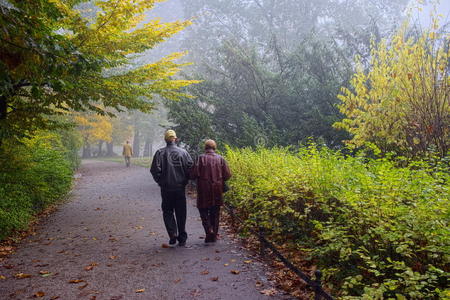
x=270 y=69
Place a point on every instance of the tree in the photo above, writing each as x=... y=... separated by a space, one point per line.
x=402 y=102
x=94 y=128
x=56 y=56
x=271 y=69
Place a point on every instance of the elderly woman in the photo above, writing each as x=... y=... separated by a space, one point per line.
x=211 y=172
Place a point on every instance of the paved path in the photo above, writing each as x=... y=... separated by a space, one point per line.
x=109 y=236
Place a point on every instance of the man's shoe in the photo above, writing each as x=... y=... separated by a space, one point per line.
x=182 y=244
x=173 y=241
x=209 y=238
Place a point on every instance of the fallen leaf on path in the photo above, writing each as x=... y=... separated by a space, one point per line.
x=140 y=291
x=39 y=294
x=93 y=297
x=233 y=260
x=226 y=265
x=177 y=280
x=83 y=286
x=42 y=265
x=76 y=281
x=91 y=266
x=214 y=278
x=44 y=272
x=22 y=275
x=54 y=298
x=247 y=261
x=165 y=246
x=217 y=251
x=112 y=257
x=2 y=277
x=98 y=208
x=205 y=272
x=235 y=272
x=258 y=283
x=8 y=267
x=269 y=292
x=206 y=258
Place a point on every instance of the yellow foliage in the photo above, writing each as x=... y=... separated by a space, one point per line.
x=402 y=101
x=94 y=128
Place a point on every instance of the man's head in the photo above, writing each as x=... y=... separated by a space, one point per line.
x=210 y=145
x=170 y=136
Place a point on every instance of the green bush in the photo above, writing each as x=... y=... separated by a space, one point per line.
x=33 y=175
x=376 y=230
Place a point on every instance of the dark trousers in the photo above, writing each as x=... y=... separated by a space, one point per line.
x=174 y=202
x=210 y=219
x=127 y=161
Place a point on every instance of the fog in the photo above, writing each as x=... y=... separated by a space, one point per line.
x=269 y=68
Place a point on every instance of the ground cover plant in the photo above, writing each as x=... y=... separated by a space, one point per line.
x=376 y=230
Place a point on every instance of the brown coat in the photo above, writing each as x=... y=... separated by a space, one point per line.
x=211 y=171
x=127 y=150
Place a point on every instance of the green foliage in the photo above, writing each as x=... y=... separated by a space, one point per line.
x=378 y=231
x=34 y=174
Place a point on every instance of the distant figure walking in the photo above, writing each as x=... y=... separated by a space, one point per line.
x=170 y=169
x=127 y=153
x=211 y=171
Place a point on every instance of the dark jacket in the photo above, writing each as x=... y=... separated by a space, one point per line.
x=211 y=171
x=170 y=167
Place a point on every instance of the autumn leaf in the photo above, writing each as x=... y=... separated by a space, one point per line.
x=39 y=294
x=112 y=257
x=205 y=272
x=247 y=261
x=76 y=281
x=2 y=277
x=165 y=246
x=22 y=275
x=216 y=278
x=177 y=280
x=226 y=265
x=44 y=272
x=269 y=292
x=140 y=291
x=83 y=286
x=235 y=272
x=91 y=266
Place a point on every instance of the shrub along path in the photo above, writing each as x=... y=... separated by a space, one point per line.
x=106 y=243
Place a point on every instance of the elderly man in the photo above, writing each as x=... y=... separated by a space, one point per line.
x=211 y=172
x=170 y=169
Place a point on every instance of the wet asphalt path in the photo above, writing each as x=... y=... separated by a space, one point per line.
x=107 y=239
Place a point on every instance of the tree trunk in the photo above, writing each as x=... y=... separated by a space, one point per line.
x=3 y=107
x=136 y=143
x=109 y=149
x=3 y=111
x=86 y=150
x=147 y=147
x=100 y=147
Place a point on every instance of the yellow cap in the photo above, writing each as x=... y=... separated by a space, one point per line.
x=170 y=134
